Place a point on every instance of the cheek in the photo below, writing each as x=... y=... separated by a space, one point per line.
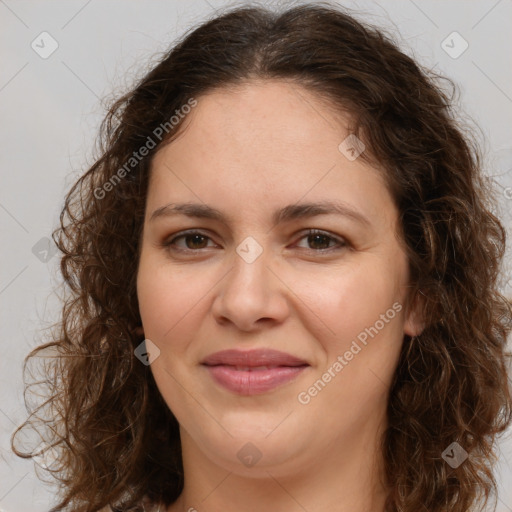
x=346 y=301
x=363 y=311
x=165 y=296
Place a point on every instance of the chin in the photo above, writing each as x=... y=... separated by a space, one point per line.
x=250 y=451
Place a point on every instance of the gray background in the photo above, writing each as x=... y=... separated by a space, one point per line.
x=51 y=109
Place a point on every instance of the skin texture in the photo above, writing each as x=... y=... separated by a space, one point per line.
x=247 y=152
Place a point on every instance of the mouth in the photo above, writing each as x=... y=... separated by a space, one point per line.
x=253 y=372
x=252 y=368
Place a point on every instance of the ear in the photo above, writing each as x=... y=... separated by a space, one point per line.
x=139 y=330
x=414 y=322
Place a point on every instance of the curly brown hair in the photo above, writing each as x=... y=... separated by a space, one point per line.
x=118 y=443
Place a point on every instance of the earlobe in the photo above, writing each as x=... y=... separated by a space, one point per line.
x=414 y=323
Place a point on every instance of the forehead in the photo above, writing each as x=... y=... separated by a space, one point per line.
x=262 y=143
x=273 y=112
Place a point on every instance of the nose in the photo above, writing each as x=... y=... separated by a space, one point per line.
x=251 y=295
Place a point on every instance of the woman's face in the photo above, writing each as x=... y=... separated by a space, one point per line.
x=252 y=278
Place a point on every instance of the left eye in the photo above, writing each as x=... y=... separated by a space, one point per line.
x=316 y=237
x=195 y=240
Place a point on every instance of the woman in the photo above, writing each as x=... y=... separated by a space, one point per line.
x=283 y=284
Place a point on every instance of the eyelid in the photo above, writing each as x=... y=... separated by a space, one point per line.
x=168 y=241
x=341 y=242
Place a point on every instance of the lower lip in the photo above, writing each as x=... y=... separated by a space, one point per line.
x=256 y=382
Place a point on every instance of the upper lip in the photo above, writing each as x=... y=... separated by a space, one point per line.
x=253 y=358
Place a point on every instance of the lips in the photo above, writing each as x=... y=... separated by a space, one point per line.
x=253 y=359
x=253 y=371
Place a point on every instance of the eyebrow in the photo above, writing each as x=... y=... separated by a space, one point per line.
x=285 y=214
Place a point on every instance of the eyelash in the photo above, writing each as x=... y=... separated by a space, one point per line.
x=168 y=244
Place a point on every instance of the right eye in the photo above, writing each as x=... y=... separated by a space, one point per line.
x=194 y=241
